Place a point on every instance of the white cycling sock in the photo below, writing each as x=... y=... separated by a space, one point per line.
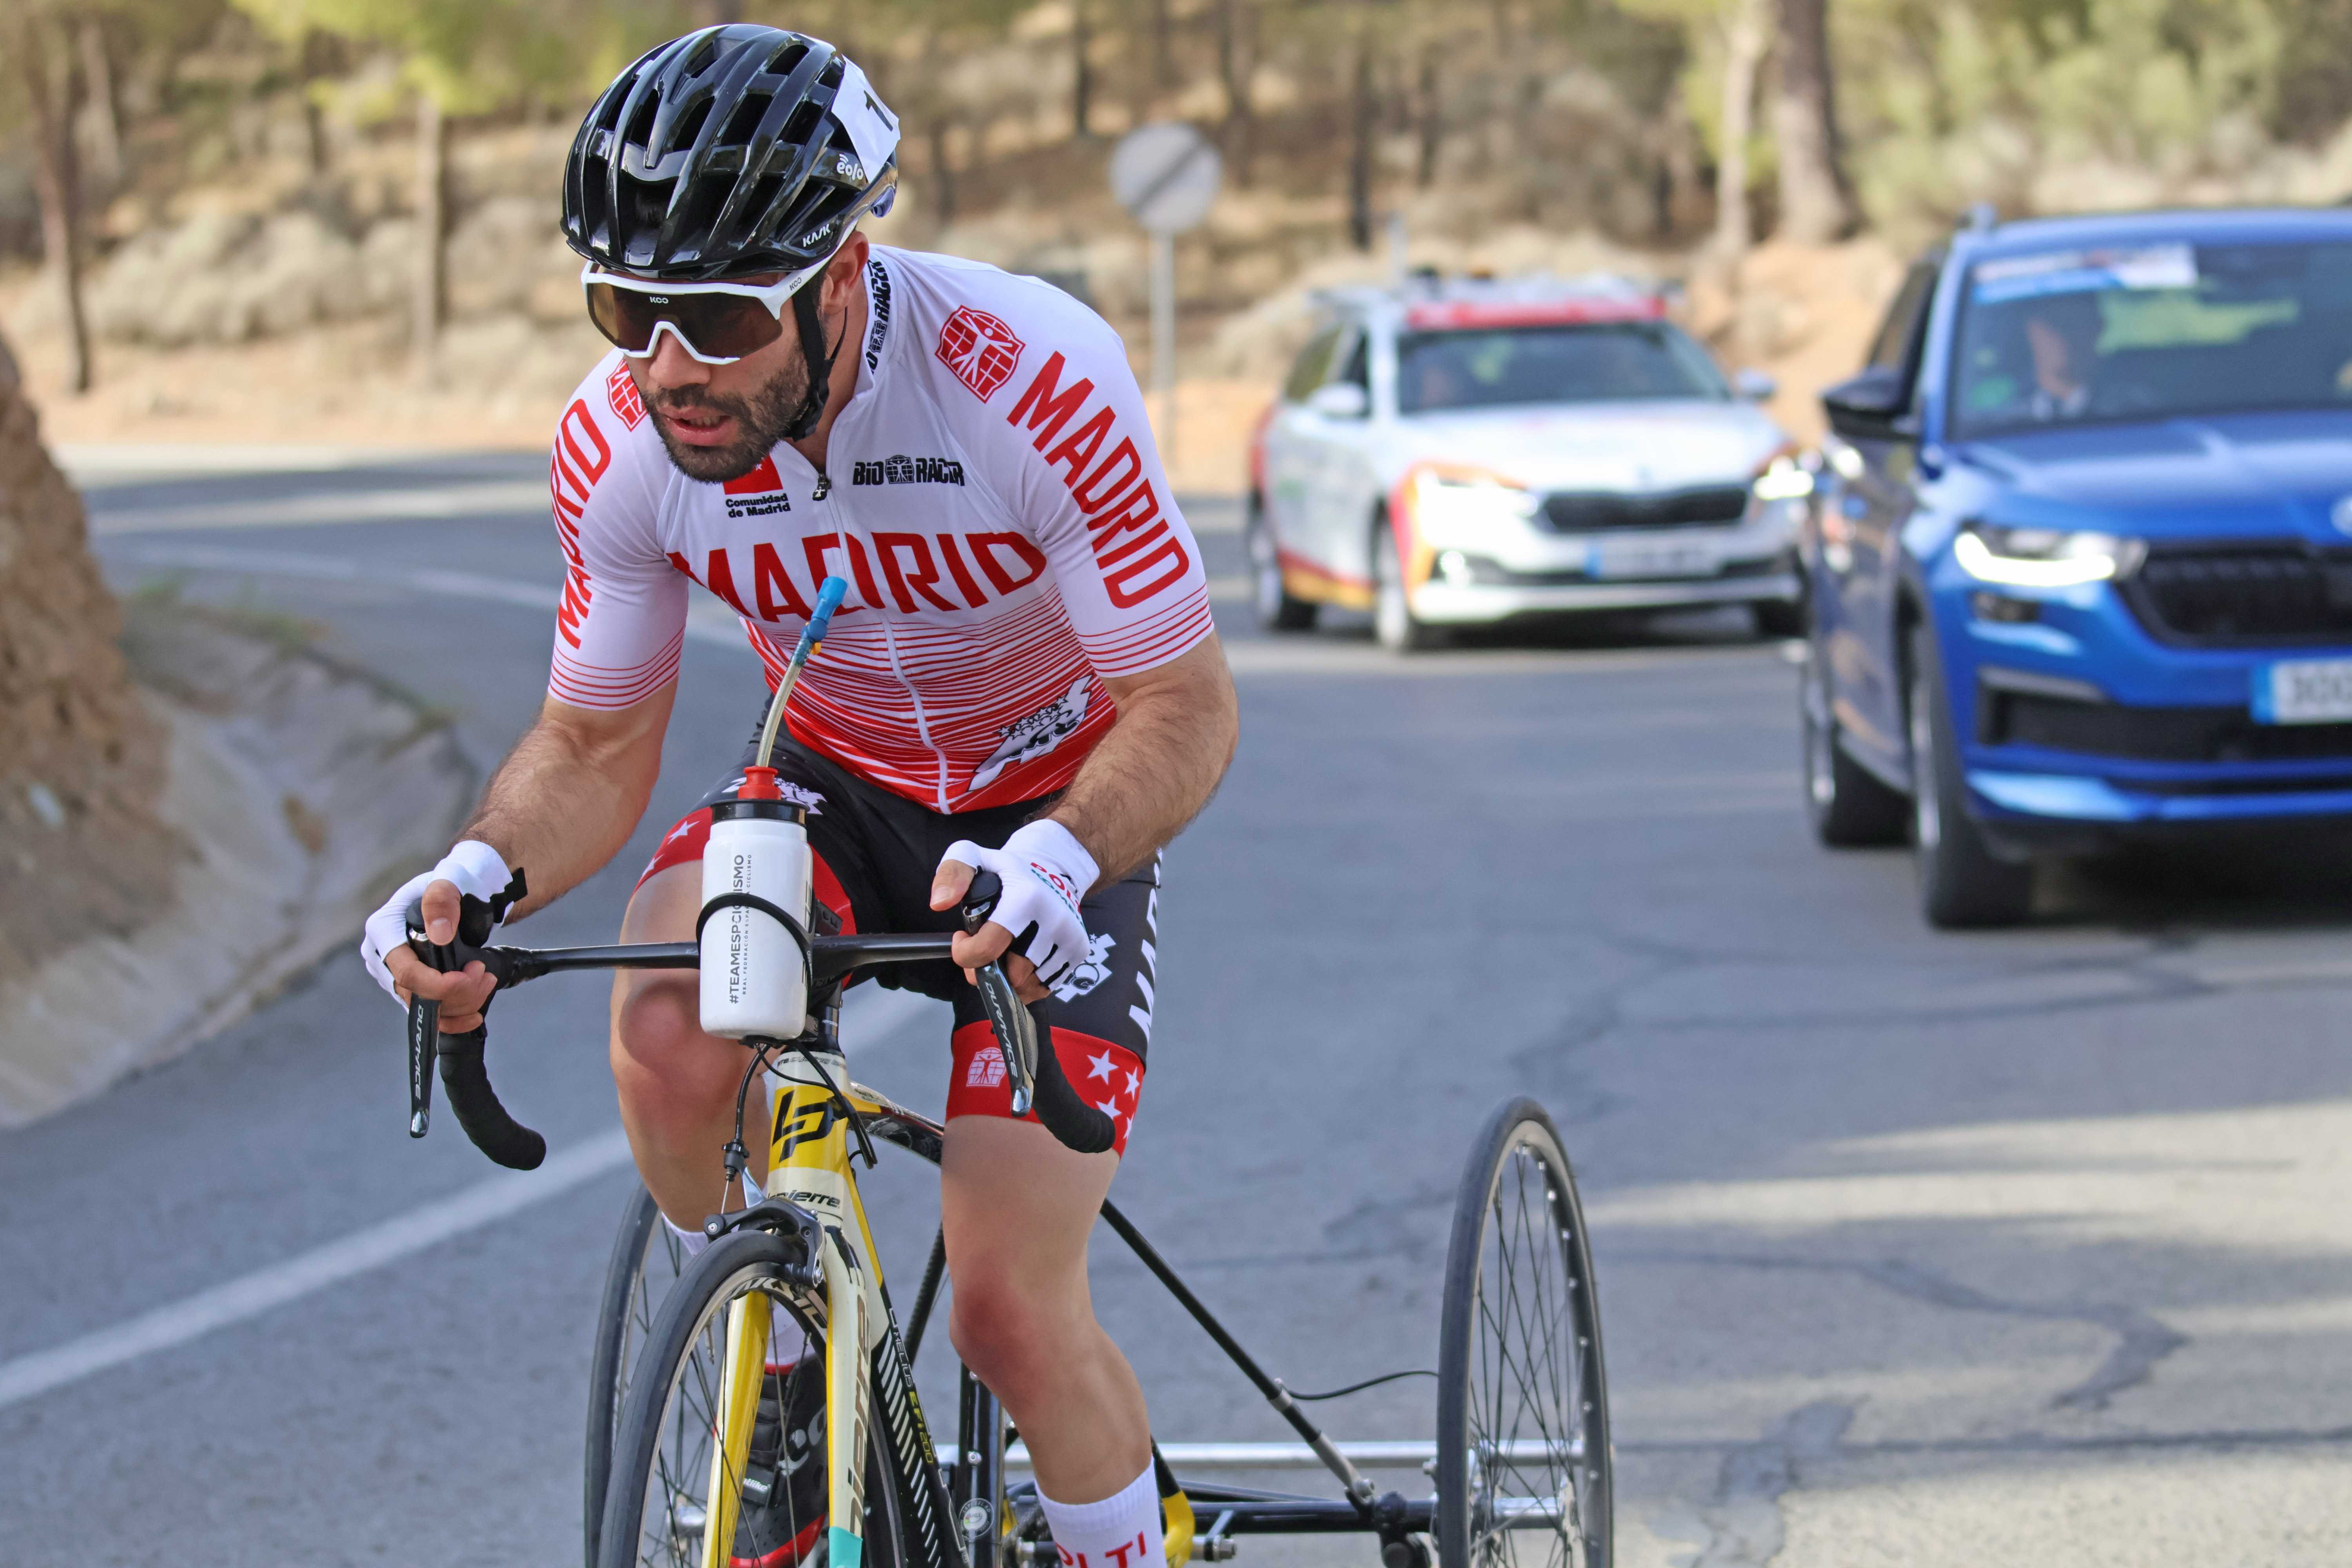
x=1121 y=1531
x=694 y=1241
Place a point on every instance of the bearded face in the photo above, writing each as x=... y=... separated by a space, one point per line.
x=762 y=418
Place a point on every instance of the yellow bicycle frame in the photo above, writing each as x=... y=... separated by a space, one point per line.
x=808 y=1166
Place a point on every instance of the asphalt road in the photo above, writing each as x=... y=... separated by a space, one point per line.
x=1914 y=1248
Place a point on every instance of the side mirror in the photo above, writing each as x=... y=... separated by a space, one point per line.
x=1340 y=400
x=1754 y=385
x=1873 y=407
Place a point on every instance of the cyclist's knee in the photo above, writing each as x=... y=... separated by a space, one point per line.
x=660 y=1051
x=1017 y=1333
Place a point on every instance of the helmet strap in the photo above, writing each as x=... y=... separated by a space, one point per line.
x=818 y=358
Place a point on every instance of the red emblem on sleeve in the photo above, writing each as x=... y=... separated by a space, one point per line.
x=622 y=393
x=979 y=349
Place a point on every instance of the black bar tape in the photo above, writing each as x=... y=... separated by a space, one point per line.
x=476 y=1104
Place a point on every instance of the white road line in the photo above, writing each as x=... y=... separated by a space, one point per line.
x=706 y=622
x=873 y=1017
x=177 y=1322
x=497 y=497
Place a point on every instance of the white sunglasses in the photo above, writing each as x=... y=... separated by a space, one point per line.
x=717 y=323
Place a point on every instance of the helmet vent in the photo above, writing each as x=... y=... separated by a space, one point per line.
x=745 y=121
x=691 y=126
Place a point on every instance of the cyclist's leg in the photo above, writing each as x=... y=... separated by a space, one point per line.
x=1019 y=1210
x=677 y=1083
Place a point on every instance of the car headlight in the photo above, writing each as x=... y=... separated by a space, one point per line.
x=2044 y=557
x=1467 y=500
x=1783 y=478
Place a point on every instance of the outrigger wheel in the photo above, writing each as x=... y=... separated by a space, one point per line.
x=1523 y=1455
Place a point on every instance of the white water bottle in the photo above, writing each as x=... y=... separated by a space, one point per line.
x=755 y=972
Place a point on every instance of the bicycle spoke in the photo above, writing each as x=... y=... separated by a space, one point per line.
x=1527 y=1386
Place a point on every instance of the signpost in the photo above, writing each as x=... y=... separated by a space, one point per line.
x=1165 y=174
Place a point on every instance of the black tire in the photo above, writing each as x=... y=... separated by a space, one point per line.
x=1394 y=623
x=1276 y=611
x=645 y=1263
x=653 y=1446
x=1961 y=884
x=1777 y=619
x=1519 y=1301
x=1849 y=806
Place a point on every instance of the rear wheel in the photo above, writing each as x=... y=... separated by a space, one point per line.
x=1845 y=802
x=669 y=1477
x=1277 y=610
x=1961 y=884
x=647 y=1261
x=1392 y=618
x=1524 y=1463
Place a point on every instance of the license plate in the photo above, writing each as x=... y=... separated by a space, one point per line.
x=1655 y=558
x=2304 y=691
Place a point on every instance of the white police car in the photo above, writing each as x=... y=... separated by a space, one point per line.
x=1462 y=452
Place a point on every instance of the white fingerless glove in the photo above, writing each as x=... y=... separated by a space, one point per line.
x=474 y=866
x=1046 y=874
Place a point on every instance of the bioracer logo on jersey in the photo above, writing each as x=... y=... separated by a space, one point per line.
x=902 y=470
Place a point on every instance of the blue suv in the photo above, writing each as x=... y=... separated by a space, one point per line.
x=2078 y=551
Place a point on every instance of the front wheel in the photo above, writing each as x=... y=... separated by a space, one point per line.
x=708 y=1446
x=1961 y=883
x=1393 y=622
x=1524 y=1463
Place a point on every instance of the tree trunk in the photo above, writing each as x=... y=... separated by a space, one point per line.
x=1082 y=78
x=429 y=300
x=1816 y=201
x=1433 y=123
x=1234 y=61
x=318 y=62
x=51 y=101
x=105 y=122
x=943 y=183
x=1360 y=147
x=1745 y=37
x=1163 y=50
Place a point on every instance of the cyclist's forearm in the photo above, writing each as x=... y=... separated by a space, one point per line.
x=570 y=794
x=1158 y=763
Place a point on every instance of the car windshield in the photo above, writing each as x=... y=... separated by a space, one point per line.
x=2150 y=332
x=1582 y=364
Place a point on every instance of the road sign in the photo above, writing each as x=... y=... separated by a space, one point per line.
x=1166 y=174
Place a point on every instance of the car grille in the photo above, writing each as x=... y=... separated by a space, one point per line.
x=2273 y=596
x=1585 y=512
x=2152 y=734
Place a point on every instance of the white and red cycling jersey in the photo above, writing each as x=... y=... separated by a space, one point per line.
x=994 y=498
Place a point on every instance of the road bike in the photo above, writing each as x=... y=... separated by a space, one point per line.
x=1521 y=1456
x=771 y=1370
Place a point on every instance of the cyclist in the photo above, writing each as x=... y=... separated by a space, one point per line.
x=1024 y=678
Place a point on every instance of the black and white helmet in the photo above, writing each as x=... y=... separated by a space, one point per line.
x=732 y=150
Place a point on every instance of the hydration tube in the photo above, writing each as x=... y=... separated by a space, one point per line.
x=829 y=595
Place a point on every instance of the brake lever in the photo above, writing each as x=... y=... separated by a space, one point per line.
x=476 y=918
x=423 y=1042
x=1016 y=1032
